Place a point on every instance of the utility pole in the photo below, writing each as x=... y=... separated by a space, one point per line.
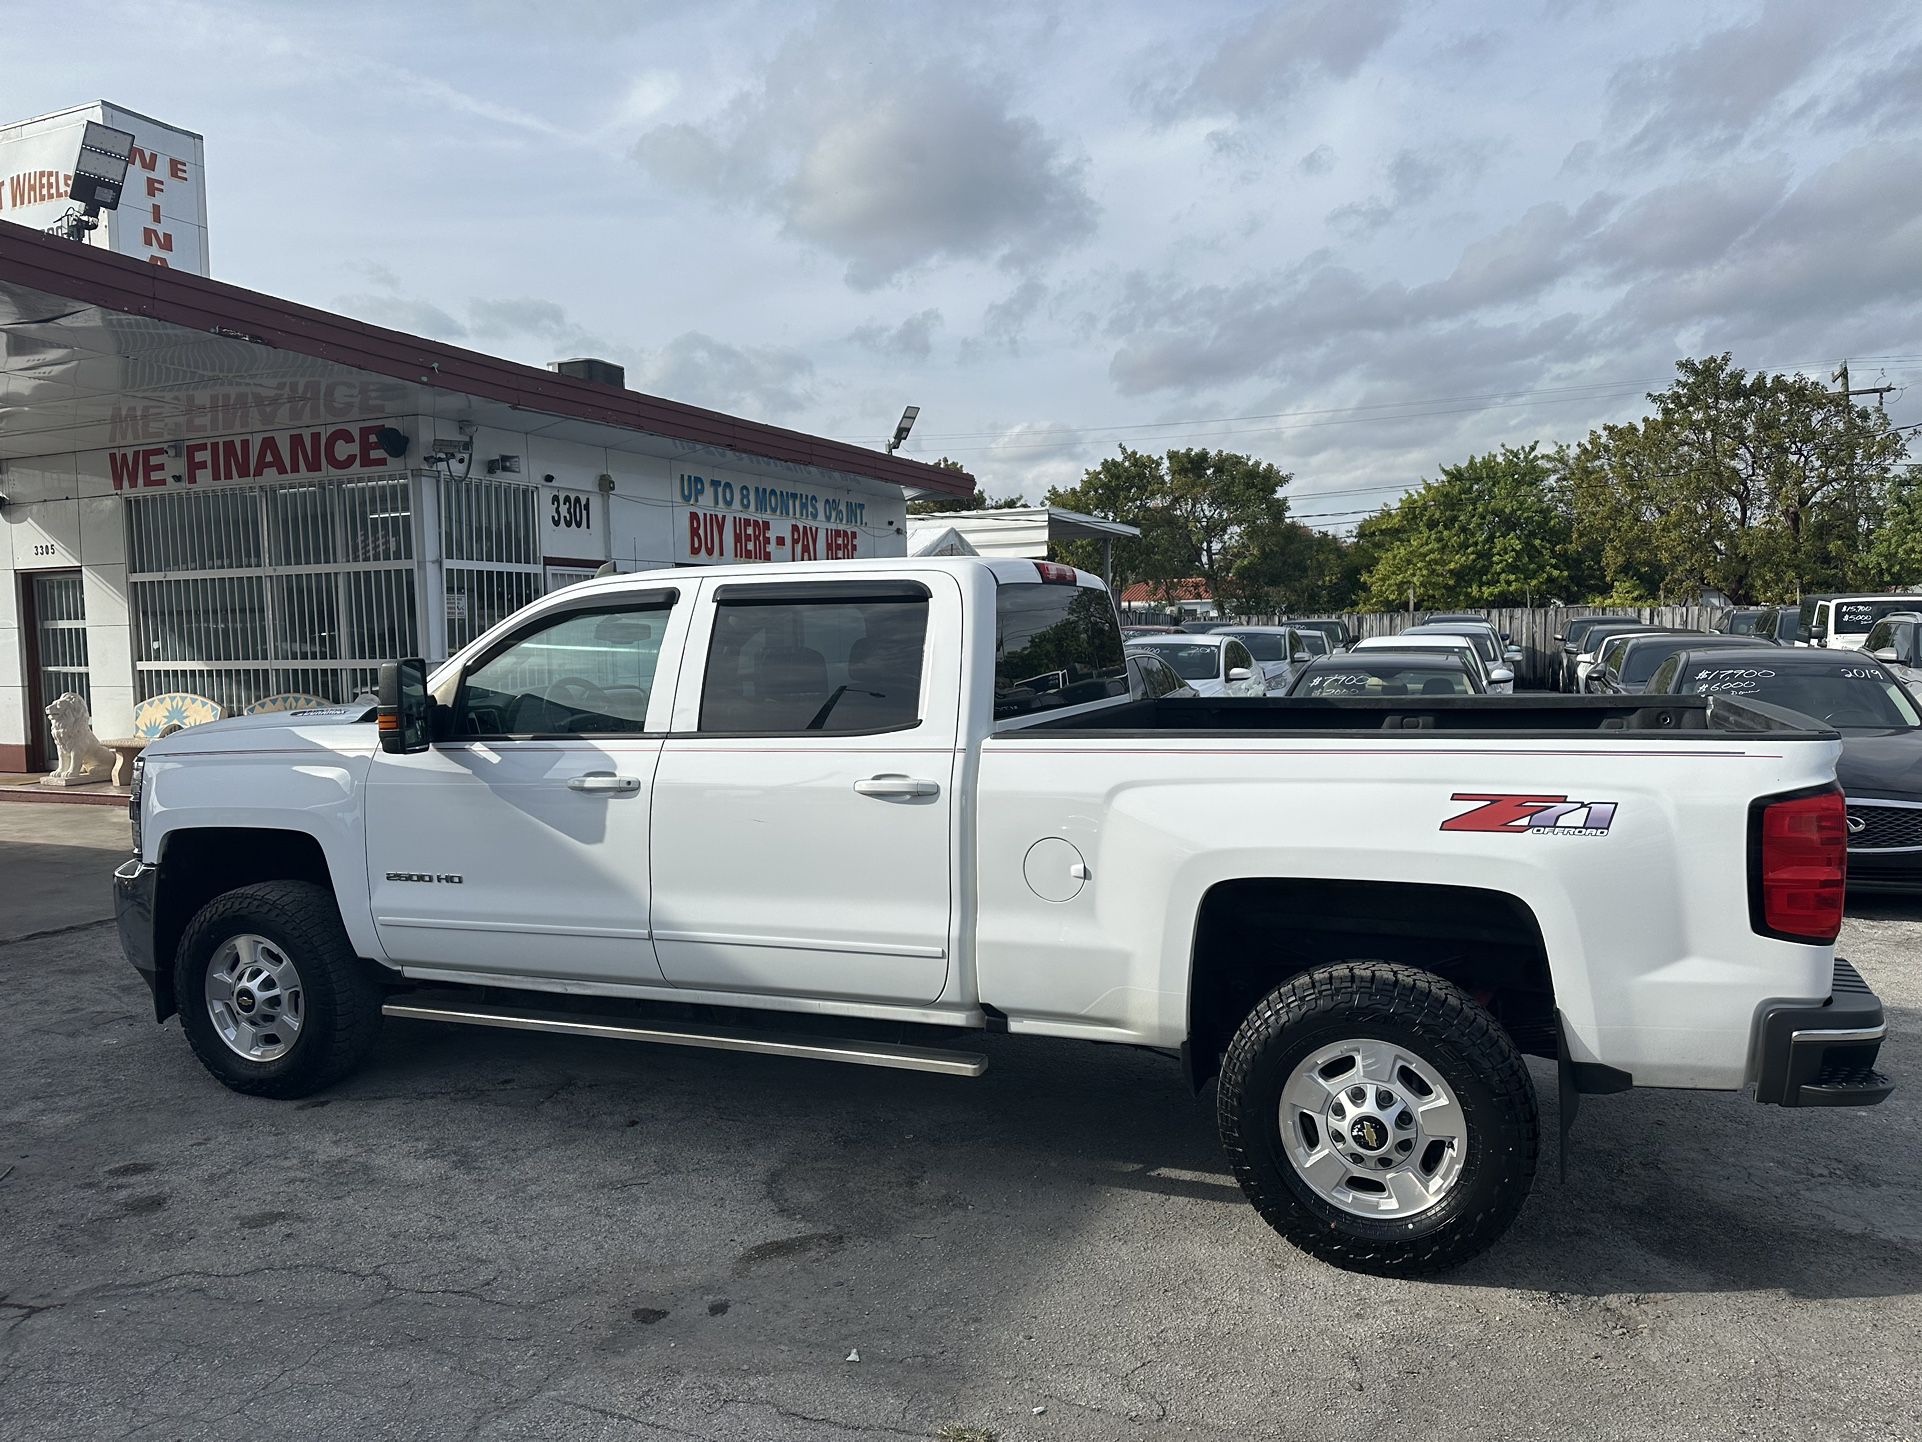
x=1850 y=392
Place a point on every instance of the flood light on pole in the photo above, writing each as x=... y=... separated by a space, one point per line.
x=901 y=430
x=99 y=178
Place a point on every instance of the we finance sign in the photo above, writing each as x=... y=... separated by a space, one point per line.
x=728 y=519
x=278 y=455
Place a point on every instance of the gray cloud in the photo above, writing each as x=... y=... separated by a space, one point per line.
x=1689 y=222
x=1414 y=177
x=1882 y=94
x=912 y=339
x=1715 y=89
x=1266 y=63
x=1318 y=161
x=769 y=382
x=887 y=167
x=1843 y=243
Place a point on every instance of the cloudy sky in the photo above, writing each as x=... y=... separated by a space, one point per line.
x=1361 y=238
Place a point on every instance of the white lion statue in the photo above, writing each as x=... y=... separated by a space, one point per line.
x=82 y=757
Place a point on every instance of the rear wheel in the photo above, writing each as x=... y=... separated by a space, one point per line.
x=1379 y=1119
x=272 y=998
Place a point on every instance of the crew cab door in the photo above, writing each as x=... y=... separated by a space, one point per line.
x=517 y=844
x=804 y=804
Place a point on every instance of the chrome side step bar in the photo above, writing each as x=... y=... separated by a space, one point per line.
x=856 y=1053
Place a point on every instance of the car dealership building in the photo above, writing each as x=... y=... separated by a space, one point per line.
x=212 y=491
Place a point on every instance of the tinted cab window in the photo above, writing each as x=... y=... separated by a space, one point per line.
x=796 y=662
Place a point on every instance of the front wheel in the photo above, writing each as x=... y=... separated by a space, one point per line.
x=272 y=998
x=1379 y=1119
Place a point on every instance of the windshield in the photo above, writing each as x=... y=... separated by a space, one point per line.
x=1853 y=618
x=1388 y=680
x=1849 y=696
x=1264 y=645
x=1315 y=643
x=1191 y=663
x=1742 y=623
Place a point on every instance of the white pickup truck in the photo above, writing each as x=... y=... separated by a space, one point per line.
x=861 y=811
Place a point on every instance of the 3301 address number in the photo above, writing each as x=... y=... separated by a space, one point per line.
x=571 y=512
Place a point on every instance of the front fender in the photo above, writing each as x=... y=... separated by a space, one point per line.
x=313 y=793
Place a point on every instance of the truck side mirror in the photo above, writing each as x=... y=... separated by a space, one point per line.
x=403 y=707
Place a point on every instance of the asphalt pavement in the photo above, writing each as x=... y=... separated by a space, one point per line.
x=492 y=1235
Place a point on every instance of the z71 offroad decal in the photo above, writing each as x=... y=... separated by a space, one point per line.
x=1531 y=815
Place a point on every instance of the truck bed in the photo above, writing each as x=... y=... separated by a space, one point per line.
x=1524 y=715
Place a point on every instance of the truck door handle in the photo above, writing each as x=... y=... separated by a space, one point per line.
x=604 y=781
x=892 y=785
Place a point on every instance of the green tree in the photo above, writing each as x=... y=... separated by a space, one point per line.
x=1296 y=569
x=974 y=501
x=1202 y=513
x=1761 y=486
x=1894 y=557
x=1495 y=530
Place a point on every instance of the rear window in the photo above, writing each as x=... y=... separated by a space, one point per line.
x=1264 y=645
x=1854 y=617
x=1055 y=646
x=1849 y=695
x=1384 y=681
x=1191 y=663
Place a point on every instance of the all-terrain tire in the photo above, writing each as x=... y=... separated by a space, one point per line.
x=1459 y=1039
x=341 y=1001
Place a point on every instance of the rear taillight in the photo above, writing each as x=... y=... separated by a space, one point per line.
x=1799 y=857
x=1053 y=573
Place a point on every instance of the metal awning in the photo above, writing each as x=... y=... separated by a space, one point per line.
x=98 y=350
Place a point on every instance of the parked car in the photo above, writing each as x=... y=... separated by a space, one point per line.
x=1569 y=638
x=1150 y=678
x=1386 y=672
x=1780 y=625
x=684 y=807
x=1200 y=628
x=1453 y=645
x=1128 y=633
x=1591 y=644
x=1315 y=643
x=1739 y=620
x=1214 y=665
x=1628 y=659
x=1611 y=645
x=1844 y=622
x=1456 y=620
x=1488 y=645
x=1880 y=768
x=1896 y=641
x=1276 y=649
x=1340 y=638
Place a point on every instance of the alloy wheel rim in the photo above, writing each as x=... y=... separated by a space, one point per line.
x=255 y=998
x=1373 y=1129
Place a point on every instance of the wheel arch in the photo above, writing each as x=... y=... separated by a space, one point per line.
x=198 y=863
x=1253 y=933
